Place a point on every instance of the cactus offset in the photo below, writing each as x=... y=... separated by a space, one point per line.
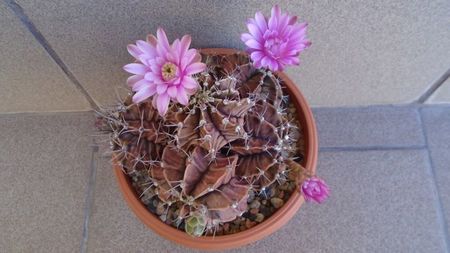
x=234 y=136
x=195 y=224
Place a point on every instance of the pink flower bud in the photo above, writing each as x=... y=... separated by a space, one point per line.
x=314 y=189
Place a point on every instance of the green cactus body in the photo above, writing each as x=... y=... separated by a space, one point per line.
x=195 y=225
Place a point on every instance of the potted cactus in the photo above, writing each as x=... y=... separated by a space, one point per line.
x=216 y=148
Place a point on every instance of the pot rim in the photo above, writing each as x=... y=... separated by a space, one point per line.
x=267 y=227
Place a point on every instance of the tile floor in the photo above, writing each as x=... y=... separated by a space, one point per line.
x=388 y=169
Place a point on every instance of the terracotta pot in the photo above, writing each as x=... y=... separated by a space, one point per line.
x=272 y=224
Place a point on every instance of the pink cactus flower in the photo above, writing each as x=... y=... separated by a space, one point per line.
x=163 y=71
x=275 y=42
x=314 y=189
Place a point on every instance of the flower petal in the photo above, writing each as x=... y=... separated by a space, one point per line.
x=197 y=57
x=190 y=92
x=187 y=58
x=154 y=101
x=133 y=79
x=143 y=94
x=252 y=43
x=246 y=36
x=292 y=20
x=162 y=39
x=274 y=19
x=134 y=50
x=265 y=61
x=273 y=65
x=145 y=47
x=257 y=55
x=182 y=97
x=144 y=59
x=189 y=83
x=162 y=103
x=142 y=84
x=195 y=68
x=152 y=40
x=254 y=30
x=261 y=22
x=151 y=76
x=161 y=88
x=172 y=91
x=184 y=45
x=135 y=68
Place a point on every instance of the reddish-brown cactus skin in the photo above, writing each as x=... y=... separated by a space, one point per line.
x=234 y=136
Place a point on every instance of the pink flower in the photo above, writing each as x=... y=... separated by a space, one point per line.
x=315 y=189
x=163 y=71
x=277 y=42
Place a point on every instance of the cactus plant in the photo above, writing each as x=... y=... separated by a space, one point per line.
x=218 y=129
x=235 y=135
x=195 y=224
x=207 y=138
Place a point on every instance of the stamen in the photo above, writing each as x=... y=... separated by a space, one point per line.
x=168 y=71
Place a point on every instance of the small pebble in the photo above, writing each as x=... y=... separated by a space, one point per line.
x=254 y=211
x=226 y=227
x=251 y=196
x=265 y=211
x=155 y=202
x=276 y=192
x=234 y=229
x=281 y=195
x=291 y=176
x=170 y=213
x=264 y=202
x=160 y=209
x=259 y=217
x=255 y=204
x=146 y=199
x=249 y=223
x=219 y=230
x=251 y=216
x=270 y=192
x=291 y=186
x=277 y=202
x=284 y=186
x=163 y=217
x=247 y=215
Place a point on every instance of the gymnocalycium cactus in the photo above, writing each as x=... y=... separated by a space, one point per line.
x=216 y=128
x=195 y=224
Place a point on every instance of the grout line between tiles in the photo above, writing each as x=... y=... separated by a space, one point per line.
x=430 y=91
x=25 y=113
x=383 y=106
x=89 y=199
x=350 y=109
x=19 y=12
x=314 y=108
x=45 y=113
x=438 y=201
x=370 y=148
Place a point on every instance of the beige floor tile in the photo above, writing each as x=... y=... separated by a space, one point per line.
x=44 y=163
x=30 y=81
x=362 y=53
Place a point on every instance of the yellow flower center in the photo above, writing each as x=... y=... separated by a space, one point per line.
x=168 y=71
